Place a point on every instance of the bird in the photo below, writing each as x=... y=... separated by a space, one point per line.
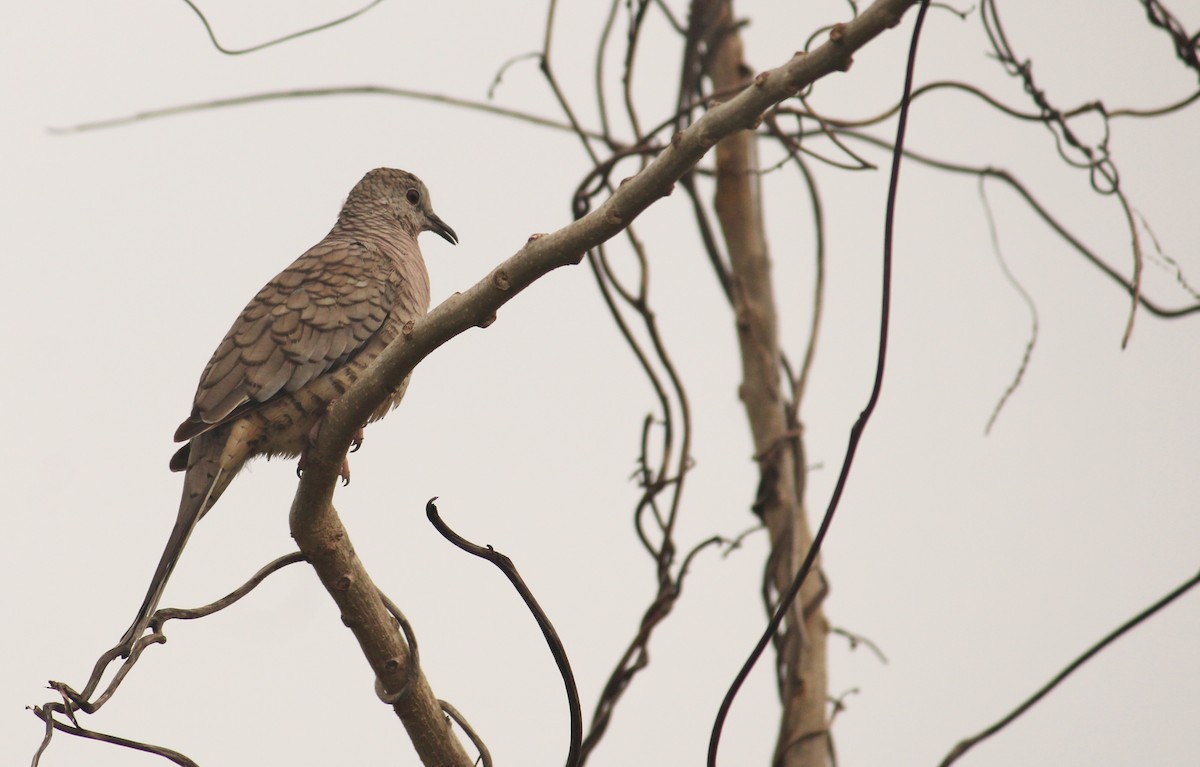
x=303 y=339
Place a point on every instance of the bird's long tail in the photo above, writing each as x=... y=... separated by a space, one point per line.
x=202 y=485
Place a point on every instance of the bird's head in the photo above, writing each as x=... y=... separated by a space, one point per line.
x=399 y=195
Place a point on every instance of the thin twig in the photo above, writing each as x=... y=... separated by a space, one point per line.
x=598 y=74
x=800 y=380
x=485 y=756
x=555 y=644
x=83 y=701
x=1114 y=635
x=858 y=639
x=46 y=714
x=310 y=30
x=491 y=91
x=1037 y=207
x=299 y=93
x=559 y=96
x=1164 y=261
x=1029 y=304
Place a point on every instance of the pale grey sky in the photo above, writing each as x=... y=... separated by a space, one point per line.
x=980 y=565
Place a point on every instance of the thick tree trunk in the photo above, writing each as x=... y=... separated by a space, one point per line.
x=803 y=733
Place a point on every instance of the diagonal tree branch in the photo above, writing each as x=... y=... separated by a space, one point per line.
x=314 y=522
x=542 y=254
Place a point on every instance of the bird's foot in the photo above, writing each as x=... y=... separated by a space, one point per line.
x=343 y=471
x=314 y=432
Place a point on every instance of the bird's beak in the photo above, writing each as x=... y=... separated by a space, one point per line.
x=440 y=228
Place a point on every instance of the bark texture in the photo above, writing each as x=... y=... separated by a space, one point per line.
x=800 y=647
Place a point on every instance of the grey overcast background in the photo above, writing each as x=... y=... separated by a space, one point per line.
x=980 y=565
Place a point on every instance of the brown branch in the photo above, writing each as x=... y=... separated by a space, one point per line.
x=559 y=96
x=857 y=639
x=968 y=743
x=83 y=701
x=544 y=253
x=315 y=525
x=637 y=653
x=549 y=633
x=598 y=74
x=485 y=756
x=285 y=38
x=1019 y=376
x=1043 y=212
x=1186 y=45
x=784 y=609
x=298 y=93
x=799 y=381
x=801 y=650
x=168 y=613
x=46 y=714
x=73 y=701
x=321 y=537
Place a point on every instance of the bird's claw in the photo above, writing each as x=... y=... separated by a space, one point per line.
x=315 y=431
x=343 y=471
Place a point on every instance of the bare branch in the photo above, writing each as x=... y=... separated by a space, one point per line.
x=168 y=613
x=1038 y=208
x=559 y=96
x=787 y=598
x=299 y=93
x=399 y=680
x=1029 y=304
x=491 y=91
x=485 y=756
x=319 y=28
x=46 y=714
x=544 y=253
x=1117 y=633
x=857 y=639
x=555 y=644
x=83 y=701
x=800 y=640
x=1187 y=46
x=314 y=523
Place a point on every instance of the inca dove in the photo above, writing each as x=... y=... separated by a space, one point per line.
x=300 y=343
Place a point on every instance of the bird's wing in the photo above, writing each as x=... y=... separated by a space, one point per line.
x=310 y=319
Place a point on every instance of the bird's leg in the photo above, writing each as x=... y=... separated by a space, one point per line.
x=315 y=431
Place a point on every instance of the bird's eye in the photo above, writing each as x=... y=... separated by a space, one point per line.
x=414 y=197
